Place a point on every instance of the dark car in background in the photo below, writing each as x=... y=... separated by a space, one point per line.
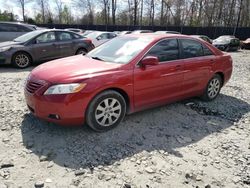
x=43 y=45
x=203 y=37
x=12 y=30
x=227 y=43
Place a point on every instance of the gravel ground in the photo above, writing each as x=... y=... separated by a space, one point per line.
x=186 y=144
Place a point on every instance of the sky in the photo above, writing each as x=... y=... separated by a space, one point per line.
x=31 y=9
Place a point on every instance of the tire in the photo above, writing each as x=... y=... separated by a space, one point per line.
x=21 y=60
x=106 y=111
x=213 y=88
x=81 y=51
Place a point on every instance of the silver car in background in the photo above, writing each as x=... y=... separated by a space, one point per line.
x=12 y=30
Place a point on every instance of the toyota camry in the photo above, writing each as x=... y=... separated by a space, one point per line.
x=130 y=73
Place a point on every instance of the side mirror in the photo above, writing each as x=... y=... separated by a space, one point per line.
x=99 y=38
x=149 y=60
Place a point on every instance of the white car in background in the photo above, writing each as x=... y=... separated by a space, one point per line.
x=99 y=37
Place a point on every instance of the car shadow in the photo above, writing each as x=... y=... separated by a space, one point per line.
x=163 y=129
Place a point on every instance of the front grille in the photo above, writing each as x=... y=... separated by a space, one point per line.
x=32 y=87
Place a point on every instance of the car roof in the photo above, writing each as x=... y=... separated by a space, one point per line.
x=17 y=23
x=160 y=36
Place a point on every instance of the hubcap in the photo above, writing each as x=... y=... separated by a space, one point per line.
x=213 y=88
x=108 y=112
x=22 y=60
x=81 y=52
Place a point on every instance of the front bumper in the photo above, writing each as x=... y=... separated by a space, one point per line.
x=5 y=57
x=66 y=110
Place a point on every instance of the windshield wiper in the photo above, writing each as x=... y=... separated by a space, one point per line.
x=97 y=58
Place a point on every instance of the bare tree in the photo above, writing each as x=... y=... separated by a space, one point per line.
x=59 y=7
x=23 y=4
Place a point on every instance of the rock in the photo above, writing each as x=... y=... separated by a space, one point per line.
x=198 y=178
x=51 y=164
x=236 y=179
x=48 y=180
x=7 y=164
x=149 y=170
x=30 y=144
x=43 y=158
x=183 y=139
x=126 y=185
x=79 y=172
x=39 y=184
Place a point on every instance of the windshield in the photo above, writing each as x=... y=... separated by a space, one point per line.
x=92 y=35
x=28 y=36
x=120 y=50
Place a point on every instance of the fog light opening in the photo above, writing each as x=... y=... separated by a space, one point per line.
x=54 y=116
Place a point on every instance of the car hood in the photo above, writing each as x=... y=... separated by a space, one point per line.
x=9 y=44
x=72 y=69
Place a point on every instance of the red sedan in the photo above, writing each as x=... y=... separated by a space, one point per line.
x=127 y=74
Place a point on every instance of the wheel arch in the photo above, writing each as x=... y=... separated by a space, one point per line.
x=221 y=74
x=118 y=90
x=79 y=48
x=22 y=51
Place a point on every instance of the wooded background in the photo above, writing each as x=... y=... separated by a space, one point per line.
x=137 y=14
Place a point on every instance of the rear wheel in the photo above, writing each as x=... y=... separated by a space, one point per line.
x=106 y=111
x=21 y=60
x=213 y=88
x=81 y=51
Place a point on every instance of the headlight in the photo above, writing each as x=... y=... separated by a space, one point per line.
x=3 y=49
x=65 y=89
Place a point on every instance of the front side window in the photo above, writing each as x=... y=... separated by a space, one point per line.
x=166 y=50
x=64 y=36
x=47 y=37
x=191 y=48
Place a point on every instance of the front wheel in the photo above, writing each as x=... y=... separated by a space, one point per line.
x=21 y=60
x=213 y=88
x=106 y=111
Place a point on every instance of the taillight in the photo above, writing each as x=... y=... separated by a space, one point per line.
x=89 y=41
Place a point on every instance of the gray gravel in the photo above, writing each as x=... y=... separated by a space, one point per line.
x=185 y=144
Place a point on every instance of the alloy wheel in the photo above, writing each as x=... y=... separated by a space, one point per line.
x=108 y=112
x=213 y=88
x=22 y=60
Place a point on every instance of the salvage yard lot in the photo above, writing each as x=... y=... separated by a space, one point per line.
x=186 y=144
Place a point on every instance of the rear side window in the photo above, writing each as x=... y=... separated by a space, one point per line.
x=191 y=48
x=166 y=50
x=64 y=36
